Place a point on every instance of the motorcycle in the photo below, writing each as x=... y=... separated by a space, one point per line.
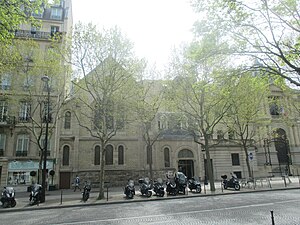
x=181 y=181
x=86 y=192
x=171 y=186
x=232 y=183
x=145 y=187
x=194 y=184
x=35 y=194
x=8 y=197
x=129 y=190
x=158 y=187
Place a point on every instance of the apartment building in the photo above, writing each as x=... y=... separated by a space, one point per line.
x=23 y=96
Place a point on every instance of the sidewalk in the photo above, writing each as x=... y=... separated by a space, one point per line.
x=69 y=198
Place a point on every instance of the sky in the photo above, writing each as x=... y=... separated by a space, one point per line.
x=154 y=26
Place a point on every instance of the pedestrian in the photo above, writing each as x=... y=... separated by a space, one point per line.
x=77 y=183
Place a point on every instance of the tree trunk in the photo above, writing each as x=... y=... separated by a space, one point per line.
x=101 y=173
x=209 y=167
x=250 y=172
x=149 y=148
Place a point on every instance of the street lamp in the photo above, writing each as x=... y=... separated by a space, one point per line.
x=44 y=174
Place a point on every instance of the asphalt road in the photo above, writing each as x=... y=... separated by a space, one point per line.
x=245 y=209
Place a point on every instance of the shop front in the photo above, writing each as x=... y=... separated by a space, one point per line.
x=19 y=171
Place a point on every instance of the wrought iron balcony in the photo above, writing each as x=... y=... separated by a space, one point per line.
x=21 y=153
x=33 y=34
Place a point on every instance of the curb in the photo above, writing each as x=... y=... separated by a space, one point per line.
x=68 y=205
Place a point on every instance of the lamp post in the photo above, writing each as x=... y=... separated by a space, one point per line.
x=44 y=174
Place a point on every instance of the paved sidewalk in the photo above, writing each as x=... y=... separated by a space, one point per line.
x=69 y=198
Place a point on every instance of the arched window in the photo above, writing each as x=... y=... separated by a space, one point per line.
x=167 y=157
x=109 y=159
x=97 y=155
x=66 y=155
x=121 y=155
x=185 y=153
x=68 y=120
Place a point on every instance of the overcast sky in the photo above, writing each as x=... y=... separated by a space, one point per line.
x=155 y=26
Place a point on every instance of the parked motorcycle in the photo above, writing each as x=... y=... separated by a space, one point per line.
x=8 y=197
x=129 y=190
x=171 y=186
x=145 y=187
x=86 y=192
x=194 y=184
x=232 y=183
x=35 y=194
x=181 y=181
x=158 y=187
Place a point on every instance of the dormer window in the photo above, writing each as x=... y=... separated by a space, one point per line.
x=56 y=13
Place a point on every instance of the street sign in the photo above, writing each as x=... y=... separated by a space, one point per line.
x=250 y=155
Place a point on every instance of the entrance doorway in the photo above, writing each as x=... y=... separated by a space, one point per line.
x=64 y=180
x=187 y=167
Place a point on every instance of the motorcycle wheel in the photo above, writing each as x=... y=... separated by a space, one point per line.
x=130 y=195
x=85 y=197
x=198 y=189
x=161 y=194
x=5 y=204
x=149 y=193
x=237 y=187
x=13 y=203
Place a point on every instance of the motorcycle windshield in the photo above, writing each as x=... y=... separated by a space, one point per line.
x=10 y=190
x=147 y=180
x=130 y=183
x=181 y=178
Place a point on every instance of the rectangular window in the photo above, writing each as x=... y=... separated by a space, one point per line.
x=54 y=30
x=43 y=140
x=238 y=174
x=6 y=82
x=235 y=158
x=24 y=114
x=56 y=13
x=2 y=144
x=28 y=81
x=22 y=145
x=47 y=116
x=3 y=111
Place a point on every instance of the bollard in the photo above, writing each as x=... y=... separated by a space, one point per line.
x=284 y=181
x=204 y=188
x=107 y=193
x=222 y=186
x=61 y=194
x=272 y=218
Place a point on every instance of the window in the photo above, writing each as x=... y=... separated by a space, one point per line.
x=24 y=114
x=39 y=13
x=6 y=82
x=22 y=145
x=185 y=153
x=121 y=155
x=235 y=158
x=67 y=120
x=47 y=116
x=167 y=157
x=43 y=139
x=3 y=111
x=28 y=82
x=109 y=155
x=230 y=134
x=97 y=155
x=275 y=108
x=56 y=13
x=54 y=30
x=2 y=144
x=66 y=155
x=238 y=174
x=220 y=135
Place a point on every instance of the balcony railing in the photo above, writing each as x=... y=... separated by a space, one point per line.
x=48 y=153
x=32 y=34
x=21 y=153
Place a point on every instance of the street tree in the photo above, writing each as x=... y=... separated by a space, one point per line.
x=199 y=91
x=149 y=97
x=264 y=31
x=107 y=70
x=13 y=13
x=246 y=117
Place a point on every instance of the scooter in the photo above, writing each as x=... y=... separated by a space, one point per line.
x=181 y=181
x=158 y=187
x=194 y=184
x=35 y=194
x=145 y=187
x=232 y=183
x=8 y=197
x=171 y=187
x=86 y=192
x=129 y=189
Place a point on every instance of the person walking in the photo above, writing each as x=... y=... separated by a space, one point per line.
x=77 y=183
